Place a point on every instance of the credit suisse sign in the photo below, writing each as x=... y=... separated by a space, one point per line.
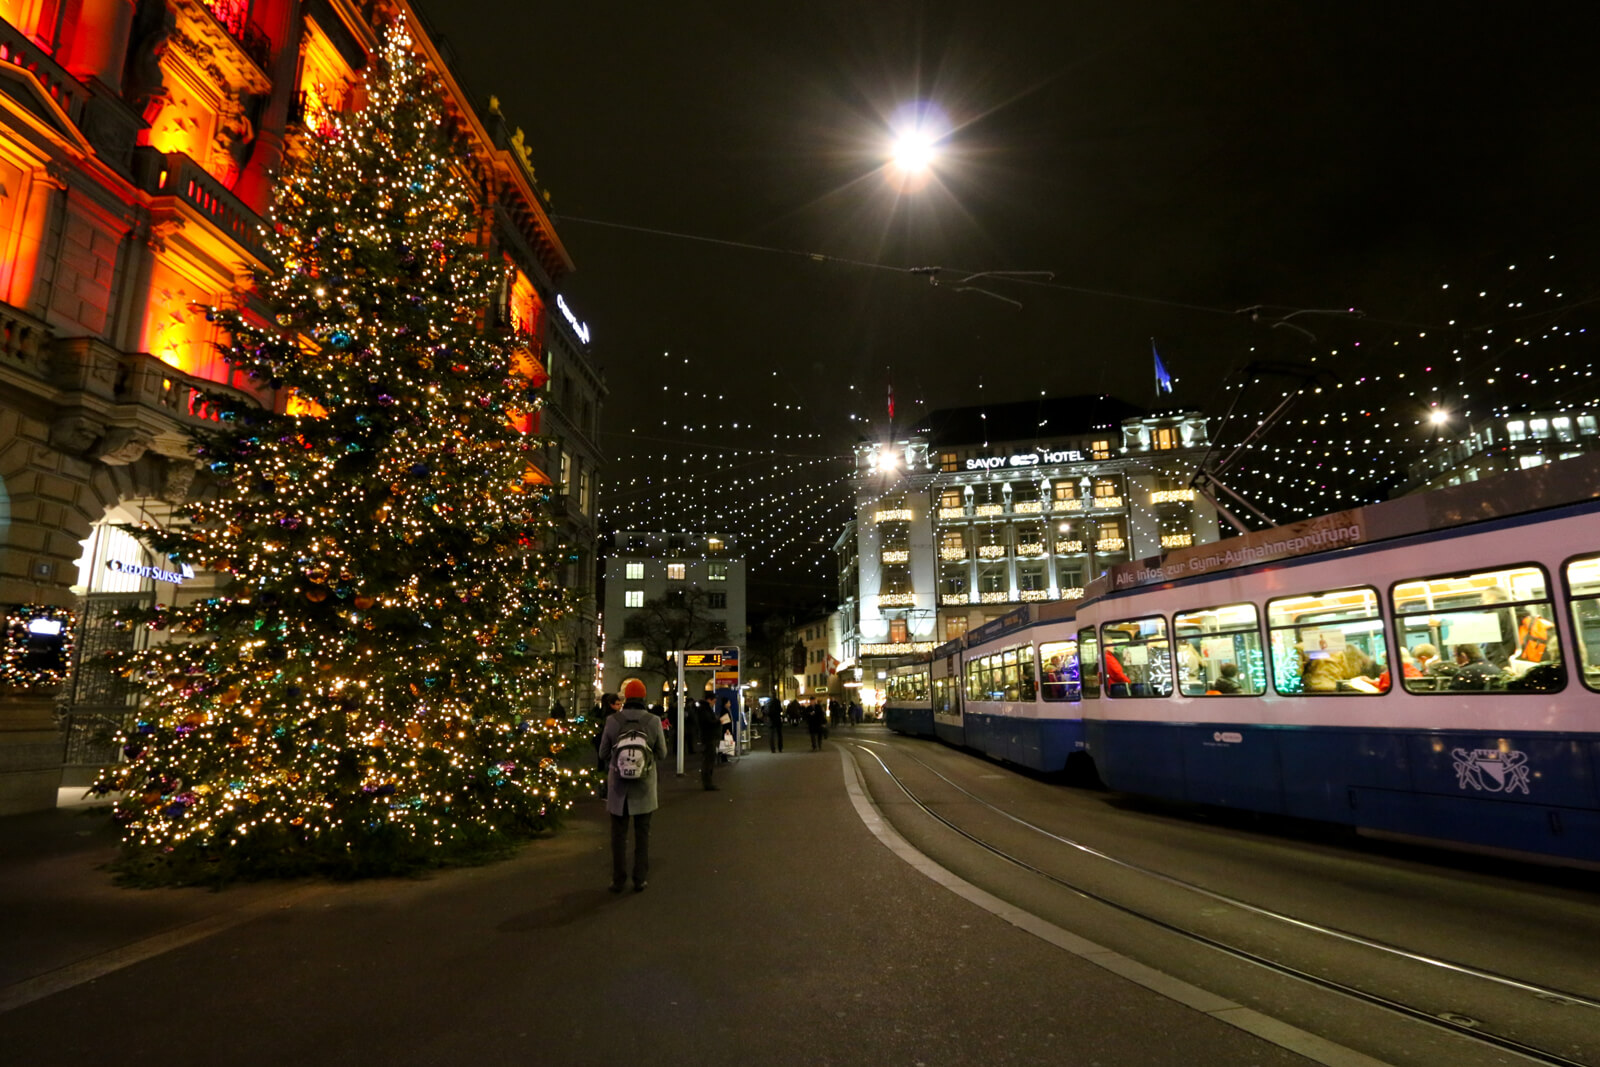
x=1026 y=459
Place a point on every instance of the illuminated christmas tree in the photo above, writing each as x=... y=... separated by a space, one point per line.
x=359 y=698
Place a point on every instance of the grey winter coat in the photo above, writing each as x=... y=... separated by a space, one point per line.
x=639 y=794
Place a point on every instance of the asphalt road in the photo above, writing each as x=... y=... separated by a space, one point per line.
x=776 y=929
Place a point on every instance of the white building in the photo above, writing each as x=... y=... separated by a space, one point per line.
x=977 y=510
x=650 y=566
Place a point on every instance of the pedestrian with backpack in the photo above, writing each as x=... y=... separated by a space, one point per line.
x=630 y=747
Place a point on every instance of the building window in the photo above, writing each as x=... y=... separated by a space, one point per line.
x=717 y=572
x=1165 y=437
x=898 y=632
x=566 y=473
x=1100 y=449
x=675 y=571
x=717 y=600
x=948 y=461
x=954 y=627
x=633 y=598
x=1105 y=487
x=635 y=572
x=633 y=657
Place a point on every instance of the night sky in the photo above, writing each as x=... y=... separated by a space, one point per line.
x=1171 y=163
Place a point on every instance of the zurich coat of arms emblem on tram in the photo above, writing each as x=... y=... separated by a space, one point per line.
x=1489 y=770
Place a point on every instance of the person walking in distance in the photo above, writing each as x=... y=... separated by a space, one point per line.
x=630 y=746
x=710 y=733
x=774 y=725
x=816 y=722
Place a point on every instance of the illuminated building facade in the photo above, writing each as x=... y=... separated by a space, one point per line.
x=1506 y=443
x=138 y=139
x=977 y=510
x=652 y=566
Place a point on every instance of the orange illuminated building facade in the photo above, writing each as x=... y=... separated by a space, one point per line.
x=137 y=143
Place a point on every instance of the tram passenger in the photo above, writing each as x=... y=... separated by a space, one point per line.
x=1499 y=653
x=1192 y=675
x=1349 y=670
x=1116 y=677
x=1427 y=658
x=1472 y=670
x=1227 y=679
x=1408 y=669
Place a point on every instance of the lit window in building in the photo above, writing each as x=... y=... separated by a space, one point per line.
x=713 y=545
x=1100 y=449
x=948 y=462
x=954 y=627
x=675 y=571
x=635 y=572
x=633 y=598
x=633 y=657
x=898 y=632
x=1165 y=437
x=717 y=572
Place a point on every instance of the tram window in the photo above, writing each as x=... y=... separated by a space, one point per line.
x=1060 y=680
x=1583 y=583
x=1486 y=631
x=1219 y=651
x=1089 y=661
x=908 y=687
x=1136 y=658
x=1328 y=643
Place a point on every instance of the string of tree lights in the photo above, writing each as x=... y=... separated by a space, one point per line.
x=1394 y=394
x=358 y=698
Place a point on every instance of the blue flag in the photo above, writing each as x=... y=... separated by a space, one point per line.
x=1163 y=379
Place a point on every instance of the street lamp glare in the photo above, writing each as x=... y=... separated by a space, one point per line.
x=914 y=151
x=1439 y=416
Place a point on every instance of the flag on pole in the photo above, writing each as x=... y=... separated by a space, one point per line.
x=891 y=400
x=1163 y=379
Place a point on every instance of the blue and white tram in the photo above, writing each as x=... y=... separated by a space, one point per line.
x=1429 y=675
x=907 y=704
x=1023 y=690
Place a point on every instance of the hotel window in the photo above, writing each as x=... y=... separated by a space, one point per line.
x=633 y=657
x=898 y=633
x=1105 y=487
x=948 y=461
x=717 y=572
x=635 y=572
x=954 y=626
x=675 y=571
x=1100 y=449
x=1165 y=437
x=1065 y=491
x=633 y=598
x=950 y=498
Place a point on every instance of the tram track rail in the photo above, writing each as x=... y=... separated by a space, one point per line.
x=1464 y=1028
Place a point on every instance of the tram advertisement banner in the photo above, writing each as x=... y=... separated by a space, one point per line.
x=1338 y=530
